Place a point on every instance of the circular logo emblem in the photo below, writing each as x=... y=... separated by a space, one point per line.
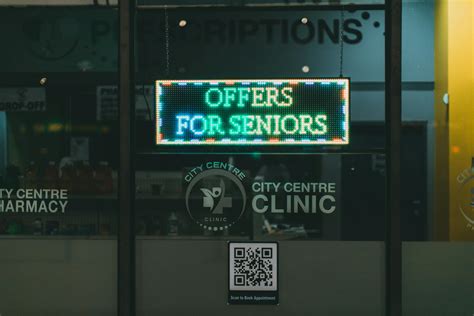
x=466 y=199
x=215 y=199
x=51 y=37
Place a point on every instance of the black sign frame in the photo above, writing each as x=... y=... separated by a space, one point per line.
x=280 y=148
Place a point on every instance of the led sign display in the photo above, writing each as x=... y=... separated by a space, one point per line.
x=252 y=112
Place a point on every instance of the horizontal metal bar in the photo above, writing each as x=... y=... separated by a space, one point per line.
x=16 y=79
x=58 y=3
x=380 y=86
x=145 y=154
x=267 y=7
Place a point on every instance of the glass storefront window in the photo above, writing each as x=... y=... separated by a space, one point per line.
x=320 y=201
x=256 y=122
x=58 y=163
x=437 y=226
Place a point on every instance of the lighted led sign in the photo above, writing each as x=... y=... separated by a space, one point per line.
x=252 y=112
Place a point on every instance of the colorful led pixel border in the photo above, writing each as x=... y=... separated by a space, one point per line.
x=253 y=112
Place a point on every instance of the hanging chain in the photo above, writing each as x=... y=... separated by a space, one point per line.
x=167 y=41
x=341 y=48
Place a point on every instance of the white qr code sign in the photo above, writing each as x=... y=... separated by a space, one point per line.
x=253 y=273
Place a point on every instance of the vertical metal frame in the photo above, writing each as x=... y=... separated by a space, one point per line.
x=126 y=238
x=393 y=120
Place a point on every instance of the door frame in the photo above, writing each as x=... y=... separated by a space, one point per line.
x=126 y=233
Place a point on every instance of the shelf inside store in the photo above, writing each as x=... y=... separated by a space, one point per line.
x=114 y=237
x=140 y=196
x=59 y=237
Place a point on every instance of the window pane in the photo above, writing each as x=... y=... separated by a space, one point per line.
x=437 y=201
x=324 y=204
x=59 y=160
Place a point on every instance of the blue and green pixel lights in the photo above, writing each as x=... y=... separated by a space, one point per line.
x=260 y=112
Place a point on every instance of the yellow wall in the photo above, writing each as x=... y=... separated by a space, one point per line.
x=455 y=128
x=441 y=187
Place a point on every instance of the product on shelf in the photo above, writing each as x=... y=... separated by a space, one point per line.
x=105 y=229
x=14 y=227
x=85 y=178
x=12 y=177
x=37 y=226
x=155 y=227
x=103 y=178
x=141 y=226
x=52 y=228
x=51 y=176
x=173 y=224
x=31 y=176
x=68 y=177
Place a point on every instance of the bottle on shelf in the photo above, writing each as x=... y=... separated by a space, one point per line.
x=155 y=228
x=31 y=176
x=14 y=227
x=85 y=178
x=68 y=177
x=12 y=177
x=103 y=178
x=141 y=226
x=51 y=176
x=38 y=226
x=173 y=224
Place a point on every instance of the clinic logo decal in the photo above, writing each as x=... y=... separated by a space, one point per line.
x=215 y=195
x=466 y=196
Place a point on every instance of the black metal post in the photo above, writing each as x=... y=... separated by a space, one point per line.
x=126 y=241
x=393 y=117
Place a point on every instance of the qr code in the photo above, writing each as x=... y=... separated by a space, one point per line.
x=253 y=266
